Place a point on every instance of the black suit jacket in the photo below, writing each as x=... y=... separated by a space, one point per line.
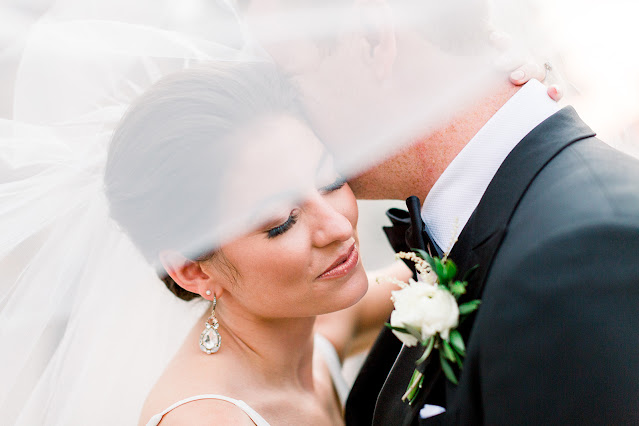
x=556 y=339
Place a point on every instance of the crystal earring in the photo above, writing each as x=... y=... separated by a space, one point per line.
x=210 y=339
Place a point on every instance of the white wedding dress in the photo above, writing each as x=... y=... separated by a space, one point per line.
x=329 y=355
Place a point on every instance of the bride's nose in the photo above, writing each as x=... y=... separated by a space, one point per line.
x=330 y=224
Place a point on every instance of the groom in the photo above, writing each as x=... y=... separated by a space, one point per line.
x=552 y=221
x=525 y=191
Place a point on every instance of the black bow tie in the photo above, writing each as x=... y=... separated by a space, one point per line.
x=408 y=230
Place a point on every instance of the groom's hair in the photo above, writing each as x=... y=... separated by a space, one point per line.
x=457 y=26
x=173 y=151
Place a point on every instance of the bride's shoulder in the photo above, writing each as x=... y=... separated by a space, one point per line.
x=186 y=377
x=185 y=405
x=206 y=412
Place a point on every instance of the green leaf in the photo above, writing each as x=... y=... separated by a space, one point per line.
x=448 y=351
x=457 y=342
x=439 y=270
x=458 y=288
x=469 y=272
x=447 y=369
x=421 y=253
x=468 y=307
x=406 y=330
x=449 y=271
x=414 y=331
x=428 y=258
x=430 y=343
x=399 y=329
x=414 y=386
x=459 y=361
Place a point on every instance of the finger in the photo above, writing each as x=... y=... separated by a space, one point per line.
x=527 y=71
x=555 y=92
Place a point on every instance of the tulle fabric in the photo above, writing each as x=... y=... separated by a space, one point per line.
x=85 y=324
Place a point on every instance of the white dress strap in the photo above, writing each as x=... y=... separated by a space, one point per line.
x=331 y=358
x=257 y=419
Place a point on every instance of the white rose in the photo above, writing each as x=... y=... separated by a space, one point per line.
x=426 y=308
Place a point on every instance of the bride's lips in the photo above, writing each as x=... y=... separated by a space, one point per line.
x=343 y=265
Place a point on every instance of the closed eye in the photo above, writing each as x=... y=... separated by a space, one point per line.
x=280 y=229
x=338 y=184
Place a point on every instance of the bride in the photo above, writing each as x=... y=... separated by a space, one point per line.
x=254 y=352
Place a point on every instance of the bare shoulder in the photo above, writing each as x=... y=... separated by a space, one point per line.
x=205 y=412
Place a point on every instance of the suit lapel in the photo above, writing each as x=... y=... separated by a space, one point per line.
x=477 y=245
x=521 y=167
x=488 y=224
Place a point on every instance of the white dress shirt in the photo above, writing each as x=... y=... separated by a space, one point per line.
x=459 y=189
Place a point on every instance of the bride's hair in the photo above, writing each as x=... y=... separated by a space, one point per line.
x=173 y=149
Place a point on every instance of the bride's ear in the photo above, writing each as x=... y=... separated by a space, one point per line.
x=379 y=31
x=187 y=273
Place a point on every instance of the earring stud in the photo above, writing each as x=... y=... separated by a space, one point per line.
x=208 y=292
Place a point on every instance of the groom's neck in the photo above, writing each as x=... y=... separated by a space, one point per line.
x=464 y=126
x=415 y=169
x=441 y=147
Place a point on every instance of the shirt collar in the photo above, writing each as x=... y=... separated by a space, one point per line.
x=457 y=192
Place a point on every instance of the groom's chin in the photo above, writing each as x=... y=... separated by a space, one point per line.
x=366 y=187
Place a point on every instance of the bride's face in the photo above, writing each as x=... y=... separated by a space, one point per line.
x=304 y=259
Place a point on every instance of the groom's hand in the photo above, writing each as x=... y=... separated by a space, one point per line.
x=533 y=70
x=523 y=66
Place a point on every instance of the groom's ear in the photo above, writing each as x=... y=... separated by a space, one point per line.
x=187 y=273
x=379 y=30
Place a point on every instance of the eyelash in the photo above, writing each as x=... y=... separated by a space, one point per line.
x=338 y=184
x=279 y=230
x=292 y=218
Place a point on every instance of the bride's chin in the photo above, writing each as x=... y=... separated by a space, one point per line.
x=350 y=292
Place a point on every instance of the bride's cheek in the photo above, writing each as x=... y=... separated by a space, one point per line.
x=284 y=267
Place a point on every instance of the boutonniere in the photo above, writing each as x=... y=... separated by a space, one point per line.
x=427 y=313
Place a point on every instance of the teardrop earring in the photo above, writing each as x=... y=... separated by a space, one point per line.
x=210 y=339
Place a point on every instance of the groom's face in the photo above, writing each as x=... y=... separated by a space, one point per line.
x=367 y=88
x=315 y=45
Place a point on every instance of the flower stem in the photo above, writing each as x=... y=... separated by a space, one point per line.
x=427 y=351
x=414 y=386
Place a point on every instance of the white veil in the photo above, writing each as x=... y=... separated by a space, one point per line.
x=86 y=326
